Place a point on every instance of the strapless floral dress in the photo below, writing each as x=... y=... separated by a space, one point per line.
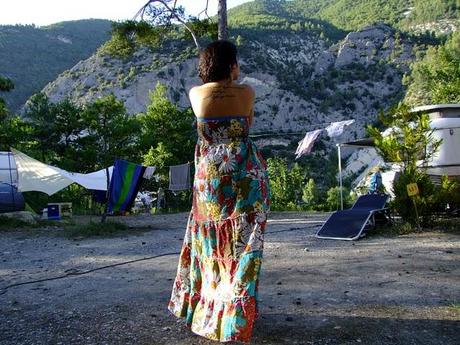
x=217 y=277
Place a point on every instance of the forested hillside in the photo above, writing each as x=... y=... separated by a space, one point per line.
x=32 y=56
x=354 y=14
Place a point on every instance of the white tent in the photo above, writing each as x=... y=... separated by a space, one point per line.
x=34 y=175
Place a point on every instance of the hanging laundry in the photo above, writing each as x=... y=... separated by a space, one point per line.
x=179 y=177
x=124 y=185
x=336 y=128
x=149 y=172
x=306 y=144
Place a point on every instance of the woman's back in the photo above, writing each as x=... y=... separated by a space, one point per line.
x=222 y=99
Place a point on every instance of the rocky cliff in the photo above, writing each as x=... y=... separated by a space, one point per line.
x=301 y=82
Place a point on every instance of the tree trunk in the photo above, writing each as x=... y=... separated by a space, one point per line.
x=222 y=15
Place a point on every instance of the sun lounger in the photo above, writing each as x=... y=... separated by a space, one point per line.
x=350 y=224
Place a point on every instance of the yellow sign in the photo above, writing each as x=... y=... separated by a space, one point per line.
x=412 y=189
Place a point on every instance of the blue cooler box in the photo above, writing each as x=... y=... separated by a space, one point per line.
x=53 y=212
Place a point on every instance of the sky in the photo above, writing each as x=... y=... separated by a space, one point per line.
x=45 y=12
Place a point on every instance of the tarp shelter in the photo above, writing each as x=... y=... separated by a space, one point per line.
x=34 y=175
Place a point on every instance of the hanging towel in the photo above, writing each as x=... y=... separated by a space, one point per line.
x=179 y=177
x=124 y=185
x=336 y=128
x=306 y=144
x=149 y=172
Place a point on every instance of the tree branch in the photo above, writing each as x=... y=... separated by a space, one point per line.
x=205 y=11
x=172 y=12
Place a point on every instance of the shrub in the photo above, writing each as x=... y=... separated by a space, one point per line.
x=410 y=141
x=448 y=194
x=310 y=194
x=333 y=198
x=422 y=205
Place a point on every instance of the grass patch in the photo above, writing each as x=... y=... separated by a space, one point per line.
x=451 y=225
x=94 y=229
x=455 y=306
x=11 y=224
x=399 y=228
x=392 y=230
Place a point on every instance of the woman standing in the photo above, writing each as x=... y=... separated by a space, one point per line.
x=217 y=277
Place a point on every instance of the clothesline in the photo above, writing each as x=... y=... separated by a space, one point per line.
x=334 y=129
x=278 y=134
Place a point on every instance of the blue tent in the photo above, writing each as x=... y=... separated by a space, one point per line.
x=10 y=199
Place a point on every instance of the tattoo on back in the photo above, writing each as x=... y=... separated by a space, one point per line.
x=222 y=92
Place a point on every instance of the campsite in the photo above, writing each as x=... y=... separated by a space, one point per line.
x=280 y=172
x=382 y=289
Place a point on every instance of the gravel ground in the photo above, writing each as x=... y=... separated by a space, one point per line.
x=378 y=290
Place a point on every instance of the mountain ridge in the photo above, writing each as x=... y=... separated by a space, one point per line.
x=32 y=56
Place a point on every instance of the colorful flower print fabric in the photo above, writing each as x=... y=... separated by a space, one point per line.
x=217 y=277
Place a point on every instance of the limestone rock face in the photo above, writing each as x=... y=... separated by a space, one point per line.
x=325 y=61
x=301 y=83
x=367 y=46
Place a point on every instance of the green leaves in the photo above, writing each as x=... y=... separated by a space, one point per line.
x=310 y=193
x=6 y=84
x=408 y=141
x=409 y=137
x=111 y=131
x=14 y=132
x=166 y=132
x=285 y=184
x=127 y=36
x=81 y=138
x=436 y=78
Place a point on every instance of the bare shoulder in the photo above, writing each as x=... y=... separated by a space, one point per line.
x=194 y=90
x=248 y=90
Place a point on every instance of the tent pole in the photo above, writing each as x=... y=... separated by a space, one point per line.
x=340 y=176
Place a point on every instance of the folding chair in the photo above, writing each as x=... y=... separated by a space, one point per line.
x=350 y=224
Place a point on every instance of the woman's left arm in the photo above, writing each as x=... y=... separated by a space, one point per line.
x=252 y=96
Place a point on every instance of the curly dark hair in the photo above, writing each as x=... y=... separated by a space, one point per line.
x=216 y=61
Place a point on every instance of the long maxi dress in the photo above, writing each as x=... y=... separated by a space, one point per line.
x=216 y=284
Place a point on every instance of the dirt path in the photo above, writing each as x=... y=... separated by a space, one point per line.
x=379 y=290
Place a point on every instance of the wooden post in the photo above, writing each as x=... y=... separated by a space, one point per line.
x=222 y=15
x=412 y=192
x=106 y=207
